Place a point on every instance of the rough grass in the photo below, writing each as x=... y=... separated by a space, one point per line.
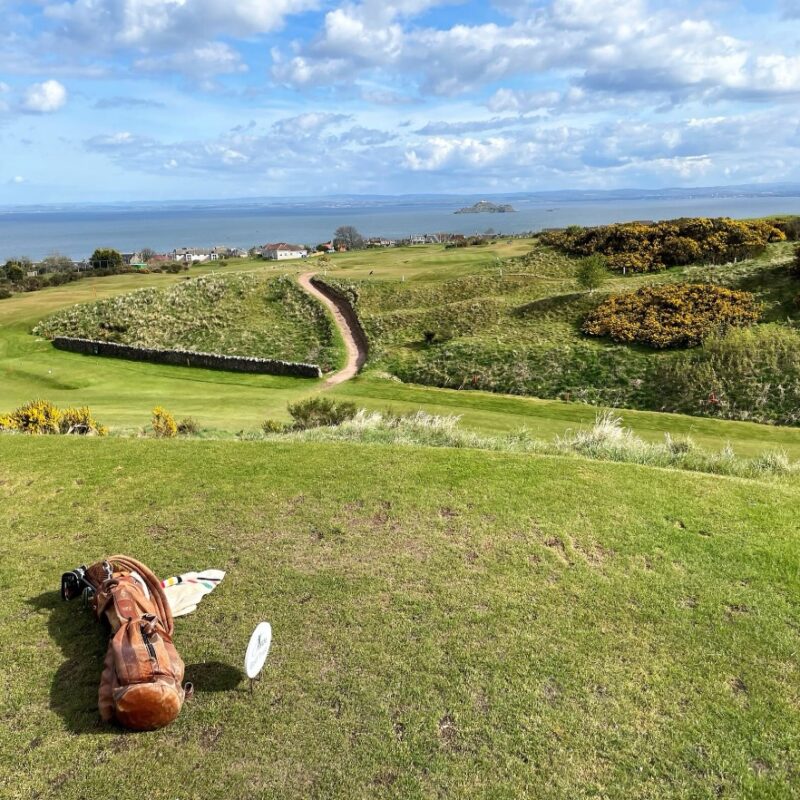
x=245 y=314
x=513 y=325
x=607 y=440
x=447 y=623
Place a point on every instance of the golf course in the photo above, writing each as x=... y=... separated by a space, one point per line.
x=481 y=608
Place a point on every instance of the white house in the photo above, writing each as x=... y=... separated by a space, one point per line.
x=191 y=255
x=280 y=251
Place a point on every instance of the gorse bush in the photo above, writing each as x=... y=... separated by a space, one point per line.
x=650 y=247
x=164 y=425
x=671 y=315
x=790 y=227
x=80 y=421
x=37 y=417
x=320 y=411
x=43 y=417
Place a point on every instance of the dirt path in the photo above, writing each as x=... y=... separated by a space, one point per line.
x=348 y=326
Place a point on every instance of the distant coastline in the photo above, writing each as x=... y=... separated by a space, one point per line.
x=76 y=231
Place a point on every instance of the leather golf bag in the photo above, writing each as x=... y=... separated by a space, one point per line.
x=140 y=687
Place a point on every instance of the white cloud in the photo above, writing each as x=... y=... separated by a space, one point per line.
x=17 y=179
x=440 y=152
x=602 y=46
x=200 y=63
x=42 y=98
x=148 y=23
x=312 y=122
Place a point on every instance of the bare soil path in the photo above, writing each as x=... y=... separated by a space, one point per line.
x=348 y=326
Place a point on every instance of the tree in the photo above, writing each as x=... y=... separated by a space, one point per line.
x=592 y=272
x=146 y=253
x=14 y=272
x=106 y=258
x=55 y=262
x=347 y=236
x=16 y=269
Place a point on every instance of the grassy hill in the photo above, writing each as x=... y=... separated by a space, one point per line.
x=240 y=314
x=447 y=623
x=512 y=325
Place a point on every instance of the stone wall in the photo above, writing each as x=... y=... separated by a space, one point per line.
x=188 y=358
x=346 y=309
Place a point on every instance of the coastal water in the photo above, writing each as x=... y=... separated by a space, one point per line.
x=77 y=232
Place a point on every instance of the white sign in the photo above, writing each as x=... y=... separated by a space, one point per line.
x=258 y=649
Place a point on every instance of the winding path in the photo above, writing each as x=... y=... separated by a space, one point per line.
x=348 y=325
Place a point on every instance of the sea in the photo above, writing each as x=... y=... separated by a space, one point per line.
x=77 y=231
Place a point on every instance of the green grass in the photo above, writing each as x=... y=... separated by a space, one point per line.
x=447 y=623
x=122 y=394
x=513 y=326
x=430 y=262
x=238 y=314
x=486 y=412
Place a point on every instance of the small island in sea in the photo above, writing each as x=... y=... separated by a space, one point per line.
x=486 y=207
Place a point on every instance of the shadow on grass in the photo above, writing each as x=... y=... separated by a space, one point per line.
x=213 y=676
x=73 y=692
x=84 y=641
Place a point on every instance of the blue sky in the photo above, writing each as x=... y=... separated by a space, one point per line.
x=167 y=99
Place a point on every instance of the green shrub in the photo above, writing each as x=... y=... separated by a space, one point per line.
x=437 y=335
x=188 y=426
x=794 y=267
x=592 y=272
x=671 y=315
x=270 y=426
x=164 y=425
x=319 y=411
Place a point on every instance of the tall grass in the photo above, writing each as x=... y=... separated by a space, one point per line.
x=607 y=440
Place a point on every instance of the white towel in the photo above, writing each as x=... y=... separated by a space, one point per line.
x=185 y=591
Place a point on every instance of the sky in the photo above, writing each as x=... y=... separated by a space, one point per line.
x=104 y=100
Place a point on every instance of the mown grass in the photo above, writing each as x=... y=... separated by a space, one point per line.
x=424 y=263
x=447 y=623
